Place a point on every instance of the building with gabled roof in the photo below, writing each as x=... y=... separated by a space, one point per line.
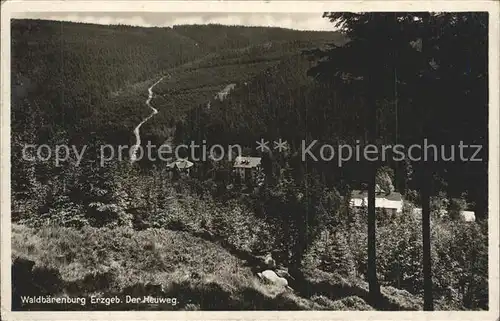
x=247 y=167
x=247 y=162
x=181 y=165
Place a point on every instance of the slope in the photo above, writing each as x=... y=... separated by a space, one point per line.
x=81 y=78
x=197 y=82
x=199 y=274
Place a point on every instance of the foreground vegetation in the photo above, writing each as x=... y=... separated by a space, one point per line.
x=175 y=234
x=59 y=261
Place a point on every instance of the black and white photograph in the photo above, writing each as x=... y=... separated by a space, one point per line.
x=336 y=160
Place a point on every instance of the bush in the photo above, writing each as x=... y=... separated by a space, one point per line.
x=331 y=253
x=459 y=258
x=461 y=265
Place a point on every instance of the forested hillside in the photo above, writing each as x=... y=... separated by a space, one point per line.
x=196 y=83
x=81 y=77
x=284 y=102
x=83 y=83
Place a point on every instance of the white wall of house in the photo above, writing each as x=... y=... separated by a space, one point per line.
x=468 y=216
x=380 y=202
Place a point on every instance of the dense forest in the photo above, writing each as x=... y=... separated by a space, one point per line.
x=386 y=78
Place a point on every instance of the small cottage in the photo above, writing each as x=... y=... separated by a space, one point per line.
x=391 y=202
x=467 y=216
x=247 y=167
x=181 y=165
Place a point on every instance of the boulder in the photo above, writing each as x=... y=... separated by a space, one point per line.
x=271 y=277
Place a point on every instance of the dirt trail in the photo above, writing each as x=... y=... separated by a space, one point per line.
x=135 y=147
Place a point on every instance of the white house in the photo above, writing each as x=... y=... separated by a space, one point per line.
x=392 y=201
x=468 y=216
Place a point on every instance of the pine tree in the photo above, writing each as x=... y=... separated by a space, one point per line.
x=336 y=256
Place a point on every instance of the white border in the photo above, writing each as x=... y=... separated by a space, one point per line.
x=9 y=9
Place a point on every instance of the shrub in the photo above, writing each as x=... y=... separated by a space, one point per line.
x=331 y=253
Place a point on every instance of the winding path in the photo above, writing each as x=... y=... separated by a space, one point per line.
x=135 y=147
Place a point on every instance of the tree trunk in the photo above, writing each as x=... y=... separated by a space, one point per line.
x=372 y=242
x=426 y=184
x=426 y=240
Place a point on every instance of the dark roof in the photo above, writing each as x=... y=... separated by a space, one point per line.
x=394 y=196
x=247 y=162
x=181 y=164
